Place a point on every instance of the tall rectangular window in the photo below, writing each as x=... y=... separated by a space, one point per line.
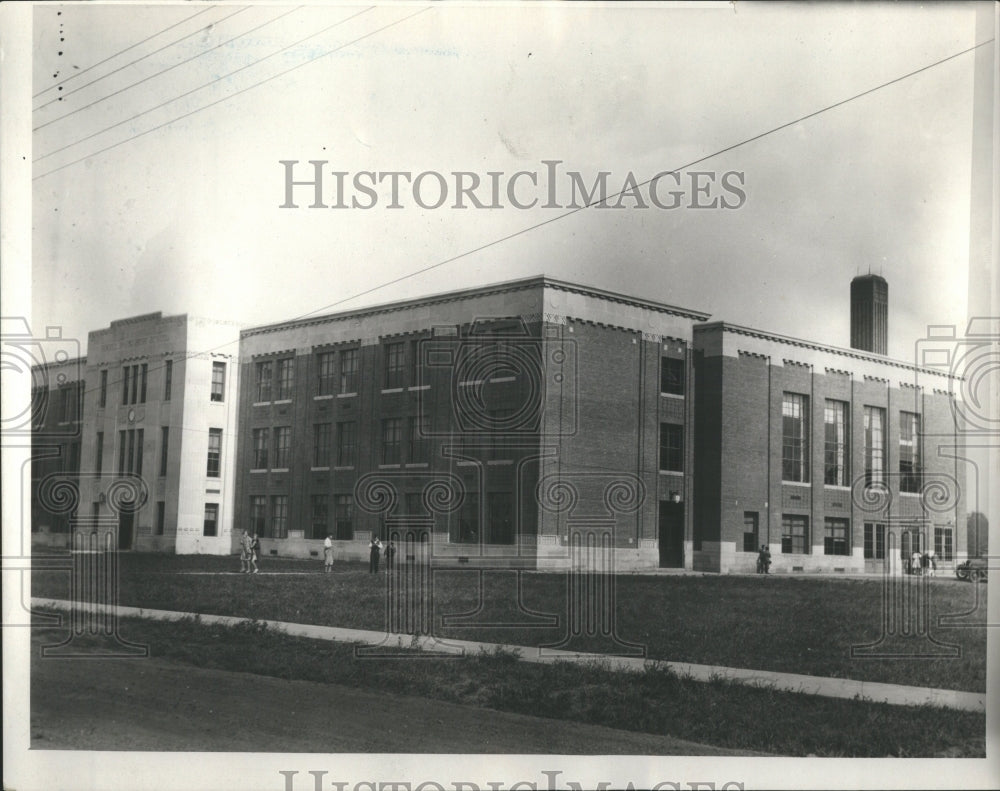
x=909 y=452
x=836 y=536
x=135 y=384
x=263 y=380
x=347 y=444
x=99 y=454
x=671 y=447
x=164 y=448
x=392 y=435
x=258 y=515
x=414 y=363
x=322 y=442
x=320 y=516
x=465 y=523
x=218 y=381
x=394 y=364
x=671 y=376
x=211 y=524
x=102 y=400
x=260 y=448
x=139 y=442
x=282 y=447
x=343 y=515
x=279 y=516
x=161 y=516
x=214 y=452
x=349 y=366
x=325 y=373
x=122 y=439
x=419 y=429
x=943 y=543
x=168 y=379
x=874 y=547
x=874 y=445
x=144 y=372
x=500 y=508
x=795 y=438
x=794 y=535
x=126 y=375
x=835 y=447
x=751 y=531
x=286 y=378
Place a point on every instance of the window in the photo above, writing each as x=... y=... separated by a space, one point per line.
x=347 y=444
x=322 y=441
x=168 y=379
x=909 y=452
x=214 y=452
x=142 y=387
x=343 y=516
x=74 y=457
x=126 y=373
x=211 y=519
x=942 y=543
x=349 y=371
x=465 y=524
x=64 y=405
x=319 y=509
x=671 y=376
x=282 y=447
x=794 y=535
x=279 y=516
x=164 y=446
x=795 y=438
x=751 y=534
x=286 y=378
x=671 y=447
x=419 y=429
x=130 y=451
x=835 y=452
x=161 y=516
x=263 y=381
x=258 y=515
x=218 y=381
x=501 y=513
x=325 y=372
x=103 y=398
x=392 y=435
x=135 y=384
x=414 y=363
x=835 y=536
x=394 y=362
x=874 y=541
x=260 y=448
x=413 y=504
x=874 y=445
x=99 y=453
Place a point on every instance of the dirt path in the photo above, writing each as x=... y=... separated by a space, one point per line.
x=156 y=704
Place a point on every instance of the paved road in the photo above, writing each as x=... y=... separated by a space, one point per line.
x=159 y=705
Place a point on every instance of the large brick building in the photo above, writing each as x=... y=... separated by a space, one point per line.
x=525 y=424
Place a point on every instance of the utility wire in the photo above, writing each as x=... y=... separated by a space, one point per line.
x=243 y=90
x=529 y=228
x=153 y=76
x=195 y=90
x=121 y=52
x=137 y=60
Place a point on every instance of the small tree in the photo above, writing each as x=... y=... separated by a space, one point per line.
x=978 y=534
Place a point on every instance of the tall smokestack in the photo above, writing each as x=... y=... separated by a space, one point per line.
x=870 y=314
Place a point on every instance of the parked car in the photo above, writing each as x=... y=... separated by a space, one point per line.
x=974 y=569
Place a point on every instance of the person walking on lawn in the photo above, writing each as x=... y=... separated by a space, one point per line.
x=328 y=555
x=374 y=550
x=254 y=554
x=245 y=553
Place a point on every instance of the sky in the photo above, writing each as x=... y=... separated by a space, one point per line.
x=181 y=212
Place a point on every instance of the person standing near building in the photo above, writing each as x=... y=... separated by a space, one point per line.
x=254 y=554
x=915 y=562
x=245 y=553
x=766 y=558
x=328 y=555
x=374 y=550
x=932 y=558
x=390 y=554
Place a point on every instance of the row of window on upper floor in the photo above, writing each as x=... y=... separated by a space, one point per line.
x=135 y=383
x=796 y=434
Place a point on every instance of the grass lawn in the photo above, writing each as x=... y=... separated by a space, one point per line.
x=792 y=624
x=656 y=701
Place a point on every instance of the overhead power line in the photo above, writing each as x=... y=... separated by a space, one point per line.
x=76 y=74
x=137 y=60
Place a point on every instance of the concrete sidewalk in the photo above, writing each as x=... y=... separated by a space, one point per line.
x=894 y=694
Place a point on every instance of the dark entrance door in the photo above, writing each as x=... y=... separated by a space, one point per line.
x=671 y=535
x=126 y=520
